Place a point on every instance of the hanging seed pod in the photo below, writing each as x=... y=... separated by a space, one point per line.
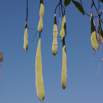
x=64 y=66
x=55 y=35
x=100 y=33
x=41 y=14
x=38 y=73
x=25 y=45
x=63 y=28
x=93 y=34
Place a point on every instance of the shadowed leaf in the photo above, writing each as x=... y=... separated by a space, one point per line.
x=79 y=7
x=101 y=1
x=67 y=2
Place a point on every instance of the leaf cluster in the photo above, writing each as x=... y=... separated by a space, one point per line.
x=77 y=5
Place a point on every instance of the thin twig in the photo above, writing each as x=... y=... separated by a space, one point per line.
x=85 y=11
x=94 y=55
x=31 y=28
x=101 y=46
x=99 y=66
x=35 y=33
x=59 y=23
x=27 y=11
x=60 y=40
x=57 y=6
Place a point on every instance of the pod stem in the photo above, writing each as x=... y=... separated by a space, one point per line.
x=99 y=67
x=60 y=1
x=63 y=41
x=41 y=1
x=26 y=10
x=62 y=7
x=57 y=6
x=93 y=4
x=39 y=35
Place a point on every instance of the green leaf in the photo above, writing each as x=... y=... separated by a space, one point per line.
x=101 y=1
x=79 y=7
x=67 y=2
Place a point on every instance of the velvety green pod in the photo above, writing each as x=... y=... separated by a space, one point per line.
x=41 y=14
x=64 y=66
x=38 y=73
x=55 y=35
x=93 y=34
x=100 y=33
x=63 y=28
x=25 y=45
x=40 y=25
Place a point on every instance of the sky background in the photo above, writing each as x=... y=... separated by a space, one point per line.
x=17 y=84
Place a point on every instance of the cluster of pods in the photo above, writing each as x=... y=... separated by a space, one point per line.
x=55 y=44
x=94 y=37
x=99 y=37
x=38 y=59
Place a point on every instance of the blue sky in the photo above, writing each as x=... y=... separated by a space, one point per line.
x=18 y=72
